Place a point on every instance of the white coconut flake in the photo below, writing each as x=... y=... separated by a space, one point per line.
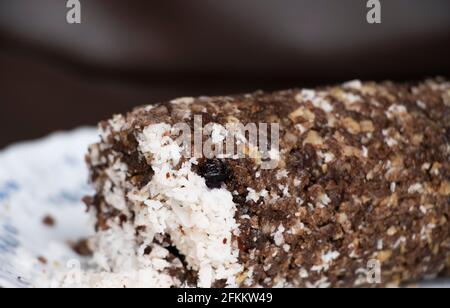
x=183 y=100
x=352 y=98
x=281 y=174
x=423 y=209
x=391 y=142
x=396 y=110
x=322 y=283
x=323 y=104
x=305 y=95
x=327 y=157
x=256 y=196
x=317 y=100
x=303 y=273
x=365 y=152
x=278 y=236
x=176 y=202
x=393 y=187
x=415 y=188
x=327 y=259
x=421 y=104
x=399 y=241
x=353 y=84
x=120 y=262
x=206 y=216
x=380 y=244
x=156 y=141
x=117 y=123
x=301 y=128
x=218 y=134
x=324 y=200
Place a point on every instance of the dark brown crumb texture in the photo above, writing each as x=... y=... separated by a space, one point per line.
x=364 y=174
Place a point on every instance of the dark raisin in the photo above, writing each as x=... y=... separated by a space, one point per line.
x=147 y=250
x=122 y=219
x=214 y=171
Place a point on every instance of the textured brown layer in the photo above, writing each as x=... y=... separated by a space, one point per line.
x=364 y=174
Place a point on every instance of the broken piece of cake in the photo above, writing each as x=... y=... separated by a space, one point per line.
x=341 y=186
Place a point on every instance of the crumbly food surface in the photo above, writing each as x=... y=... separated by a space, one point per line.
x=363 y=174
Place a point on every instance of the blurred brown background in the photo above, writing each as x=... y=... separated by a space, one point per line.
x=57 y=76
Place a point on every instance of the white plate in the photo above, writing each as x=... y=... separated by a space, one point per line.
x=40 y=178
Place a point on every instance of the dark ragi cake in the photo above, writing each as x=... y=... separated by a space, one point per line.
x=362 y=175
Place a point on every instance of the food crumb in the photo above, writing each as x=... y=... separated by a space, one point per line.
x=49 y=221
x=42 y=260
x=82 y=248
